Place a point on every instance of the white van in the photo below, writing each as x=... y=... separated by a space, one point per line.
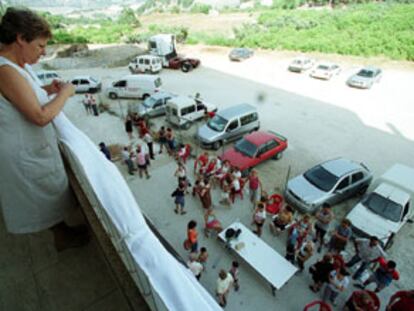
x=134 y=86
x=145 y=64
x=227 y=125
x=182 y=111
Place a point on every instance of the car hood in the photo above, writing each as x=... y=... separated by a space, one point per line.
x=143 y=109
x=367 y=221
x=210 y=107
x=237 y=159
x=305 y=190
x=359 y=79
x=205 y=133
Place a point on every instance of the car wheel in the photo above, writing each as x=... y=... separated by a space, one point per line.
x=186 y=125
x=217 y=145
x=186 y=67
x=278 y=156
x=145 y=96
x=363 y=190
x=113 y=95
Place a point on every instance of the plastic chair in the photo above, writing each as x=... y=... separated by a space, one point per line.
x=276 y=203
x=317 y=305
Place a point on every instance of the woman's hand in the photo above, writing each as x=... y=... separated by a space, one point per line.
x=67 y=89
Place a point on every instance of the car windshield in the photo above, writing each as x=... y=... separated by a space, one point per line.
x=321 y=178
x=217 y=123
x=383 y=207
x=149 y=102
x=366 y=73
x=246 y=147
x=323 y=67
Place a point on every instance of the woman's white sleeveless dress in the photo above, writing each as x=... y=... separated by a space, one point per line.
x=34 y=189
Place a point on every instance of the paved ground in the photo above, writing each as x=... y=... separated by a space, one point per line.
x=322 y=120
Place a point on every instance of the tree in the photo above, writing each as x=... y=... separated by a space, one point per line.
x=128 y=16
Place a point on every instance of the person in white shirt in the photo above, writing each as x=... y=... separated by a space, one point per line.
x=127 y=160
x=149 y=141
x=338 y=282
x=195 y=266
x=224 y=283
x=367 y=251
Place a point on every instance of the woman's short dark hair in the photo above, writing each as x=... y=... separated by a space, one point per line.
x=25 y=23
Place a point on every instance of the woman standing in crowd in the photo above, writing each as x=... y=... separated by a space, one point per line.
x=128 y=126
x=34 y=196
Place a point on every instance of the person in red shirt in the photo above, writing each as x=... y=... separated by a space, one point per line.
x=254 y=187
x=383 y=276
x=192 y=235
x=401 y=301
x=201 y=162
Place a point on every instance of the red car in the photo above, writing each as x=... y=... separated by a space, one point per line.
x=255 y=148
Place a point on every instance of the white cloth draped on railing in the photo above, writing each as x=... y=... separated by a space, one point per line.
x=173 y=282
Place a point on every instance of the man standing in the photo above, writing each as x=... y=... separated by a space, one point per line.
x=383 y=276
x=367 y=251
x=94 y=105
x=254 y=186
x=340 y=236
x=148 y=139
x=104 y=149
x=127 y=160
x=324 y=218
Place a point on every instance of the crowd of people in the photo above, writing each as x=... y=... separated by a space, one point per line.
x=306 y=236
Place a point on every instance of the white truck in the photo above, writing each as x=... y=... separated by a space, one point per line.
x=385 y=210
x=164 y=46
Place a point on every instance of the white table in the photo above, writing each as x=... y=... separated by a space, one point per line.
x=273 y=267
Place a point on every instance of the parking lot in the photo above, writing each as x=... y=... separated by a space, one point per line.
x=321 y=119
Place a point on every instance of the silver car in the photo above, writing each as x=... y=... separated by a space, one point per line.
x=154 y=105
x=301 y=64
x=365 y=78
x=240 y=54
x=330 y=182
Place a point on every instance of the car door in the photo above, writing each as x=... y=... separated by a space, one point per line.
x=200 y=109
x=120 y=88
x=341 y=191
x=357 y=182
x=231 y=130
x=158 y=108
x=75 y=82
x=147 y=65
x=267 y=150
x=84 y=85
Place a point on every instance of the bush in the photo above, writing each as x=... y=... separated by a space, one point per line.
x=200 y=8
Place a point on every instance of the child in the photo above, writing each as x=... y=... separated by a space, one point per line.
x=192 y=235
x=202 y=258
x=179 y=201
x=234 y=271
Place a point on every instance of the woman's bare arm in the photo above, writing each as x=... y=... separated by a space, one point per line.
x=19 y=92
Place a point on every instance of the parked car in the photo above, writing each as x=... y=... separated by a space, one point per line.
x=385 y=210
x=365 y=78
x=182 y=111
x=86 y=84
x=47 y=77
x=145 y=64
x=325 y=71
x=330 y=182
x=134 y=86
x=227 y=125
x=301 y=64
x=240 y=54
x=154 y=105
x=254 y=149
